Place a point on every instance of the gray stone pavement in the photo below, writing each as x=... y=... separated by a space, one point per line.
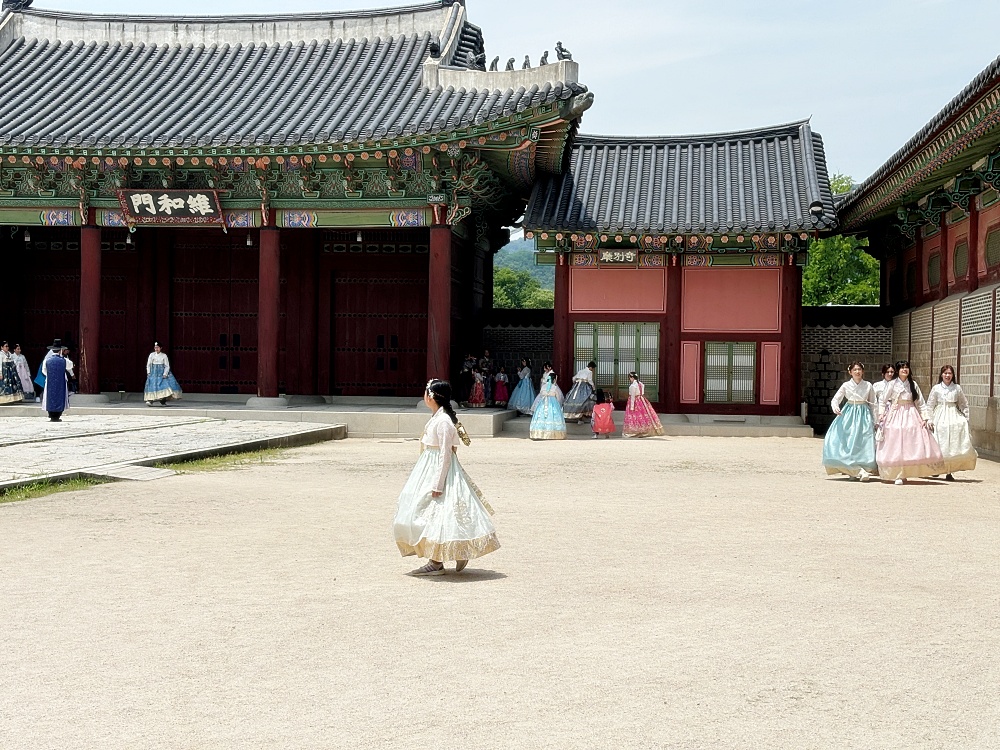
x=32 y=448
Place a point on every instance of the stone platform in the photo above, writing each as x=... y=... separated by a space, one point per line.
x=116 y=446
x=366 y=417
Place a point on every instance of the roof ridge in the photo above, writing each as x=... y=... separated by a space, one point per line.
x=725 y=135
x=68 y=15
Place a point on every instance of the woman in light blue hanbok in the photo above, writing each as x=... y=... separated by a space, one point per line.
x=524 y=394
x=849 y=444
x=548 y=422
x=161 y=385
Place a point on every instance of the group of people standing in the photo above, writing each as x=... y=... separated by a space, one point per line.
x=550 y=409
x=481 y=383
x=56 y=378
x=887 y=428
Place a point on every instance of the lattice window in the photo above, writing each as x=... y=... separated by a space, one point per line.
x=934 y=271
x=618 y=349
x=730 y=367
x=993 y=248
x=977 y=314
x=960 y=260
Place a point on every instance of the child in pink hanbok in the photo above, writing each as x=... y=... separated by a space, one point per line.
x=640 y=417
x=500 y=392
x=906 y=448
x=477 y=399
x=601 y=422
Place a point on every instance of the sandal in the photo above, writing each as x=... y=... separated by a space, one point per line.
x=460 y=565
x=430 y=569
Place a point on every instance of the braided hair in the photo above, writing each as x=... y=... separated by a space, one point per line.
x=440 y=392
x=909 y=379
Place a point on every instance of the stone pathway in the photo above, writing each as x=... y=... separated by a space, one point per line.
x=33 y=448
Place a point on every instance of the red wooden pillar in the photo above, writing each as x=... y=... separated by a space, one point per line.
x=439 y=303
x=562 y=338
x=921 y=265
x=268 y=309
x=944 y=253
x=672 y=337
x=791 y=337
x=972 y=274
x=90 y=309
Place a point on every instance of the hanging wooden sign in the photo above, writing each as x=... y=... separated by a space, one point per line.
x=171 y=207
x=627 y=257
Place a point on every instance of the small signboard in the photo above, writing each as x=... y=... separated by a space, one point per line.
x=618 y=257
x=171 y=207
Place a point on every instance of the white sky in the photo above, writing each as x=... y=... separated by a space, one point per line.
x=870 y=73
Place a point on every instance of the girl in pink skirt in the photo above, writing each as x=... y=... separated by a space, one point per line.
x=640 y=417
x=906 y=448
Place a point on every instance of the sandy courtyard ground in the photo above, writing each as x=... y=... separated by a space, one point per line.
x=668 y=593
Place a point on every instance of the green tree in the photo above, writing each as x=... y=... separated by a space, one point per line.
x=519 y=255
x=518 y=290
x=839 y=271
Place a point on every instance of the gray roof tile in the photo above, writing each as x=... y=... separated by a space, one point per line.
x=754 y=180
x=135 y=94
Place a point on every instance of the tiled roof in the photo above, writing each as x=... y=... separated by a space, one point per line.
x=119 y=82
x=980 y=85
x=755 y=180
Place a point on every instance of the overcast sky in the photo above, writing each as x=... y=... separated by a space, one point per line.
x=869 y=73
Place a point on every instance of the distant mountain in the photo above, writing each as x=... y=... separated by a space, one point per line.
x=520 y=256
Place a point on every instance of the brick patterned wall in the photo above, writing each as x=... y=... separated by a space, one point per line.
x=945 y=339
x=976 y=340
x=900 y=337
x=966 y=340
x=508 y=344
x=826 y=353
x=921 y=329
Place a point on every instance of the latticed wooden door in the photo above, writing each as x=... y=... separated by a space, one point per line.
x=730 y=369
x=618 y=349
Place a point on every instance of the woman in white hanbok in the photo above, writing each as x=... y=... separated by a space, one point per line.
x=948 y=411
x=441 y=514
x=880 y=386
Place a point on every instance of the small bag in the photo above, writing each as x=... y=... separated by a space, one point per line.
x=463 y=434
x=879 y=434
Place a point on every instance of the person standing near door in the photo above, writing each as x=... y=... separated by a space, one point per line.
x=161 y=385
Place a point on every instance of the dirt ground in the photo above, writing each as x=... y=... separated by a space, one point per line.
x=661 y=593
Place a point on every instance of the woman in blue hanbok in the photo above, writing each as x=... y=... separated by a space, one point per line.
x=161 y=385
x=524 y=394
x=11 y=389
x=849 y=444
x=548 y=422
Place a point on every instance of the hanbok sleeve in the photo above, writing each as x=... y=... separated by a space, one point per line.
x=149 y=362
x=838 y=398
x=920 y=403
x=932 y=402
x=961 y=401
x=872 y=402
x=166 y=365
x=443 y=435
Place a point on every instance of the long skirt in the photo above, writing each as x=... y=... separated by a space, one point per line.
x=907 y=449
x=500 y=393
x=580 y=401
x=478 y=395
x=454 y=526
x=641 y=419
x=160 y=386
x=547 y=422
x=11 y=390
x=523 y=397
x=951 y=429
x=25 y=375
x=849 y=444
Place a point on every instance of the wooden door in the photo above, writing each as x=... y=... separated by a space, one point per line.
x=214 y=312
x=379 y=332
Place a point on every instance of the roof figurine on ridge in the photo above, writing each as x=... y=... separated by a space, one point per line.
x=562 y=53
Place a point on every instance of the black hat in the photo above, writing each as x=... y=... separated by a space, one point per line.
x=57 y=345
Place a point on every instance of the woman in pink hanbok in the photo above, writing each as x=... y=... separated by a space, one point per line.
x=906 y=448
x=640 y=417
